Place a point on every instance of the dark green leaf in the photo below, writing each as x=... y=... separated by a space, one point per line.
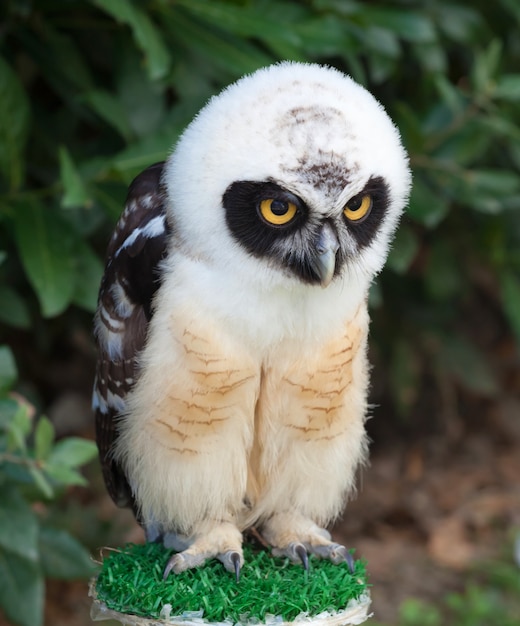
x=246 y=21
x=458 y=22
x=14 y=125
x=109 y=108
x=75 y=193
x=427 y=206
x=143 y=102
x=43 y=438
x=468 y=365
x=8 y=371
x=442 y=274
x=18 y=524
x=51 y=49
x=236 y=56
x=89 y=271
x=8 y=409
x=19 y=428
x=63 y=475
x=146 y=34
x=72 y=452
x=405 y=375
x=508 y=87
x=486 y=66
x=41 y=482
x=510 y=292
x=14 y=310
x=324 y=35
x=410 y=25
x=62 y=556
x=404 y=250
x=45 y=244
x=21 y=590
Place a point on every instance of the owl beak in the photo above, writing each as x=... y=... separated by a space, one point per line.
x=326 y=247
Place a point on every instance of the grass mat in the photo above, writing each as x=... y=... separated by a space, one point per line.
x=130 y=581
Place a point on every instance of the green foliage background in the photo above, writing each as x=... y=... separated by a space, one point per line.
x=93 y=91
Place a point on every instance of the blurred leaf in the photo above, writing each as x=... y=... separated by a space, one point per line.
x=18 y=525
x=464 y=361
x=75 y=192
x=41 y=482
x=43 y=438
x=45 y=245
x=404 y=249
x=109 y=109
x=486 y=67
x=8 y=410
x=14 y=310
x=19 y=428
x=72 y=452
x=236 y=56
x=408 y=24
x=64 y=475
x=405 y=373
x=8 y=371
x=50 y=48
x=426 y=205
x=488 y=190
x=63 y=557
x=21 y=590
x=15 y=119
x=508 y=87
x=324 y=35
x=510 y=293
x=146 y=34
x=247 y=21
x=413 y=612
x=432 y=57
x=143 y=102
x=442 y=274
x=449 y=93
x=459 y=23
x=89 y=270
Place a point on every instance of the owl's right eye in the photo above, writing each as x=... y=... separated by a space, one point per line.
x=277 y=212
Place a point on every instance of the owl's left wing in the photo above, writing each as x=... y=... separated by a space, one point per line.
x=129 y=283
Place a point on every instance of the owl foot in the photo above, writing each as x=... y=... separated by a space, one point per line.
x=295 y=537
x=298 y=553
x=222 y=542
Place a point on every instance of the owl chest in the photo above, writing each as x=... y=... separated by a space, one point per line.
x=308 y=398
x=207 y=392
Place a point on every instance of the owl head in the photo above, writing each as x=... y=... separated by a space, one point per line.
x=295 y=168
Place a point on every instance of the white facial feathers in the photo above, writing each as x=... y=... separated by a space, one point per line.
x=311 y=129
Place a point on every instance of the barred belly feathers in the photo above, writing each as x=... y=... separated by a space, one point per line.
x=231 y=388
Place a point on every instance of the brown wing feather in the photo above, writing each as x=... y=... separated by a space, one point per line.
x=129 y=283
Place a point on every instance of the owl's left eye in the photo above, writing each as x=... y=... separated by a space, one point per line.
x=358 y=208
x=277 y=212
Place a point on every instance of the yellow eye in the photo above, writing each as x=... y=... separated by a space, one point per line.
x=358 y=208
x=277 y=212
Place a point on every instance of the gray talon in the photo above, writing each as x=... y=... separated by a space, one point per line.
x=344 y=554
x=300 y=550
x=336 y=553
x=169 y=566
x=232 y=562
x=235 y=559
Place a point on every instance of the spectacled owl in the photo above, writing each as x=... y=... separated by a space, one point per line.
x=232 y=378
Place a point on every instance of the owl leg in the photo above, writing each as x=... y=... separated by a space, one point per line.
x=295 y=536
x=220 y=540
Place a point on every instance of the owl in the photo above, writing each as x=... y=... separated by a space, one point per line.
x=232 y=377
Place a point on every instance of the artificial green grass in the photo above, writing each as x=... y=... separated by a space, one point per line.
x=131 y=582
